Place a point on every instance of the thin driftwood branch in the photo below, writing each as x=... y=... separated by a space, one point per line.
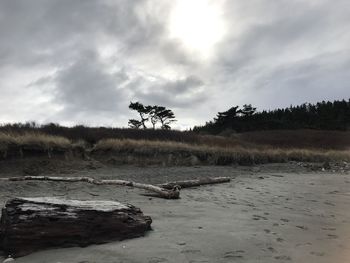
x=194 y=183
x=172 y=193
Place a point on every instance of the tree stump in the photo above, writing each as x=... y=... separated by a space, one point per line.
x=32 y=224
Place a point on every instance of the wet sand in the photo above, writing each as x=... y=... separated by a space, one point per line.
x=271 y=213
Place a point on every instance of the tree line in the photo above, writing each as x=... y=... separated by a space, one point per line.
x=322 y=116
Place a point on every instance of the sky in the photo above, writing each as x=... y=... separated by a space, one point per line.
x=83 y=61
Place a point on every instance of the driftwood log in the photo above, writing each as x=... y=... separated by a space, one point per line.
x=194 y=183
x=170 y=190
x=31 y=224
x=173 y=193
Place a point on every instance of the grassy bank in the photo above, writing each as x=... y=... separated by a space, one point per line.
x=13 y=144
x=167 y=151
x=248 y=148
x=309 y=139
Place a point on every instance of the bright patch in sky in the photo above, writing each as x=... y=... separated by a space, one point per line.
x=198 y=24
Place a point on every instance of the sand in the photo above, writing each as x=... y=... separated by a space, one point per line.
x=269 y=213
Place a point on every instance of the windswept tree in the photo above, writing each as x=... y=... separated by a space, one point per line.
x=142 y=110
x=164 y=116
x=154 y=114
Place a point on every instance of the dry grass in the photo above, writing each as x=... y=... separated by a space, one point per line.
x=307 y=139
x=206 y=149
x=220 y=155
x=33 y=140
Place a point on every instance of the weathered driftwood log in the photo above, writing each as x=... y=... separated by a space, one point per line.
x=31 y=224
x=168 y=193
x=194 y=183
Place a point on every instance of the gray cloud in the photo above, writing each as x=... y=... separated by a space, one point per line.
x=82 y=61
x=86 y=86
x=177 y=94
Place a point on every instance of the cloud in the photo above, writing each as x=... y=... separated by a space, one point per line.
x=83 y=61
x=177 y=94
x=87 y=86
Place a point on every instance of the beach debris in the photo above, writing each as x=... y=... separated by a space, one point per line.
x=32 y=224
x=173 y=193
x=170 y=190
x=196 y=182
x=334 y=167
x=9 y=259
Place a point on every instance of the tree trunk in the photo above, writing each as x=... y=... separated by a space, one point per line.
x=194 y=183
x=32 y=224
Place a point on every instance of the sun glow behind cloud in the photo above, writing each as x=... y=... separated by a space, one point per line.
x=198 y=25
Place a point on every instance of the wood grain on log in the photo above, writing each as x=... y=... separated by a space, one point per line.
x=31 y=224
x=194 y=183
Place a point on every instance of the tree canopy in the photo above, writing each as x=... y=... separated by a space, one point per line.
x=154 y=114
x=322 y=115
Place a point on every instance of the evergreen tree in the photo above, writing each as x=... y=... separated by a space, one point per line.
x=322 y=115
x=142 y=111
x=154 y=114
x=248 y=110
x=164 y=116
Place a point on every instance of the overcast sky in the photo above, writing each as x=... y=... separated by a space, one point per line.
x=83 y=61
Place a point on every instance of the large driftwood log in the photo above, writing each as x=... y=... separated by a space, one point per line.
x=31 y=224
x=194 y=183
x=172 y=193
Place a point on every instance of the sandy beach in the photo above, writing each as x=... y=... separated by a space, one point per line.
x=267 y=213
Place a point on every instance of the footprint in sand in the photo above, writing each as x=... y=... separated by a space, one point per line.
x=234 y=254
x=302 y=227
x=276 y=175
x=250 y=205
x=257 y=217
x=329 y=228
x=333 y=192
x=329 y=203
x=271 y=249
x=303 y=244
x=279 y=239
x=286 y=258
x=331 y=236
x=191 y=251
x=157 y=260
x=319 y=254
x=267 y=231
x=284 y=220
x=312 y=200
